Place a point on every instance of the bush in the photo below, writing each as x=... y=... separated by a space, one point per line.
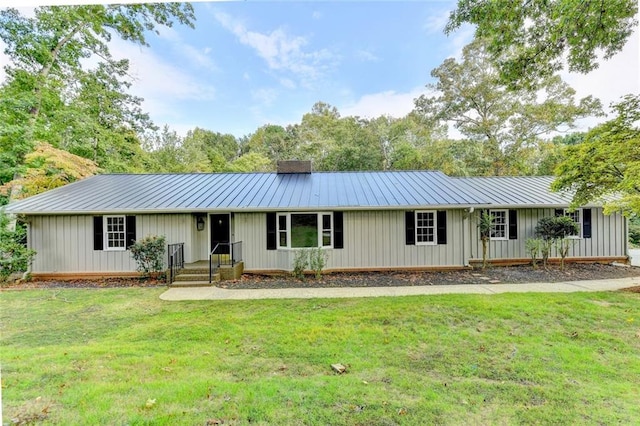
x=300 y=264
x=534 y=248
x=149 y=254
x=15 y=257
x=555 y=230
x=317 y=260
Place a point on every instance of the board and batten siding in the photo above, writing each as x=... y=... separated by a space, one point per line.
x=65 y=243
x=607 y=238
x=372 y=239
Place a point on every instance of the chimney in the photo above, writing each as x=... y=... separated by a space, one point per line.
x=293 y=166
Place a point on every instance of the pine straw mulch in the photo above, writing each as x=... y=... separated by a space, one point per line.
x=493 y=275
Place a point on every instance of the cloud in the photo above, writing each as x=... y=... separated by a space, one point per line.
x=388 y=102
x=199 y=57
x=366 y=56
x=316 y=14
x=282 y=52
x=436 y=23
x=264 y=96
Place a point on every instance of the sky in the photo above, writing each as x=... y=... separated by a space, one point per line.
x=252 y=63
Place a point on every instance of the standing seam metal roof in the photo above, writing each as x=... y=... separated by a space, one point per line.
x=173 y=193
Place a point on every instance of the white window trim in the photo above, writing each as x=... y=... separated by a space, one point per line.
x=506 y=225
x=579 y=222
x=435 y=228
x=288 y=230
x=105 y=233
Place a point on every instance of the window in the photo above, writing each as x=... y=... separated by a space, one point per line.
x=303 y=230
x=576 y=216
x=425 y=227
x=500 y=224
x=115 y=233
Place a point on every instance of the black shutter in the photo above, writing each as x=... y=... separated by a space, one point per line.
x=338 y=234
x=559 y=212
x=410 y=228
x=131 y=230
x=98 y=234
x=271 y=231
x=513 y=224
x=441 y=222
x=586 y=223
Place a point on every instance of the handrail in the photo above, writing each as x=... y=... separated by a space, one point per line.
x=234 y=252
x=175 y=253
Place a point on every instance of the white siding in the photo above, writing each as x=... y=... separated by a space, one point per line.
x=372 y=239
x=65 y=243
x=607 y=238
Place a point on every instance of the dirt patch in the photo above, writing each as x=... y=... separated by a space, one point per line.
x=493 y=275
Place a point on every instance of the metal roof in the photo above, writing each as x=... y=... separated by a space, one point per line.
x=193 y=192
x=520 y=191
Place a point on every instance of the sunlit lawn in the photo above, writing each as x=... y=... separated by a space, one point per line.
x=122 y=356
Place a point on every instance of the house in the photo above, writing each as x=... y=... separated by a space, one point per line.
x=364 y=220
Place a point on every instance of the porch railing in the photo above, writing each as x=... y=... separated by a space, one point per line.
x=176 y=260
x=224 y=254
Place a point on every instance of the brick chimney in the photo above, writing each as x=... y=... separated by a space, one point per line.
x=293 y=166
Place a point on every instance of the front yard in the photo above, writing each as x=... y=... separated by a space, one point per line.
x=122 y=356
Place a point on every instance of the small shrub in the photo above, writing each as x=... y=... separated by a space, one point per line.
x=317 y=260
x=563 y=245
x=300 y=264
x=149 y=254
x=485 y=223
x=15 y=257
x=534 y=248
x=553 y=229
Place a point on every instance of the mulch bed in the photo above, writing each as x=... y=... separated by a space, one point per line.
x=493 y=275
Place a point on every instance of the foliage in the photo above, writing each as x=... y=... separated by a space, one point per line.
x=48 y=168
x=634 y=231
x=442 y=359
x=485 y=223
x=554 y=231
x=50 y=94
x=507 y=123
x=534 y=248
x=14 y=255
x=251 y=162
x=562 y=247
x=531 y=40
x=606 y=165
x=300 y=264
x=317 y=260
x=149 y=254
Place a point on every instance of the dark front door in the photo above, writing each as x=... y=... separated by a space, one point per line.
x=220 y=232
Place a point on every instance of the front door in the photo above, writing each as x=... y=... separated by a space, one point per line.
x=220 y=232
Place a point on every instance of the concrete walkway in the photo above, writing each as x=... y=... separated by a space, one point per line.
x=215 y=293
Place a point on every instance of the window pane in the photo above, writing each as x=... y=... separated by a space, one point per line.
x=425 y=227
x=304 y=230
x=326 y=221
x=326 y=238
x=283 y=223
x=283 y=239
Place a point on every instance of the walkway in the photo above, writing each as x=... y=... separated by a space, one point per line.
x=215 y=293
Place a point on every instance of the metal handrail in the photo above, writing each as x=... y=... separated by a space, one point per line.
x=176 y=260
x=234 y=252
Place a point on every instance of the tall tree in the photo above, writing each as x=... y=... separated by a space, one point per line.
x=47 y=72
x=606 y=164
x=530 y=39
x=507 y=122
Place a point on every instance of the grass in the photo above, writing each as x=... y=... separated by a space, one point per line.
x=122 y=356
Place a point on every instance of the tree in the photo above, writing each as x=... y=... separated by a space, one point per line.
x=606 y=164
x=530 y=39
x=508 y=123
x=554 y=231
x=14 y=256
x=48 y=168
x=485 y=224
x=48 y=81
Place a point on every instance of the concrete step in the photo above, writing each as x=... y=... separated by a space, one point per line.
x=182 y=284
x=194 y=270
x=193 y=277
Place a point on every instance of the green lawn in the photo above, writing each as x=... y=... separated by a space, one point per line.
x=122 y=356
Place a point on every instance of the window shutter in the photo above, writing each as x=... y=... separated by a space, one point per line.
x=271 y=231
x=441 y=223
x=586 y=223
x=98 y=234
x=410 y=228
x=513 y=224
x=131 y=231
x=559 y=212
x=338 y=234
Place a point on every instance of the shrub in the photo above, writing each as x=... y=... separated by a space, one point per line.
x=300 y=264
x=14 y=255
x=317 y=260
x=553 y=229
x=149 y=254
x=485 y=223
x=634 y=231
x=534 y=248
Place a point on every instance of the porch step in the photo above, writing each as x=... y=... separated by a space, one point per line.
x=189 y=276
x=184 y=284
